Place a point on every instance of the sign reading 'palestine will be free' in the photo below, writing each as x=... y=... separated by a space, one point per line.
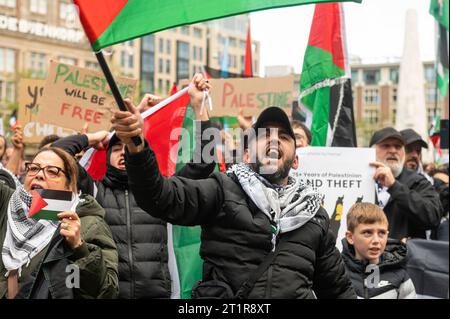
x=104 y=20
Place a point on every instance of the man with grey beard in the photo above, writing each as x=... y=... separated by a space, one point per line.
x=409 y=201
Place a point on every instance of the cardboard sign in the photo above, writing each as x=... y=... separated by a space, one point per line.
x=253 y=95
x=31 y=93
x=342 y=175
x=74 y=96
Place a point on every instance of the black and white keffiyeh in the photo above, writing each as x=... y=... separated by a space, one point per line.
x=25 y=237
x=288 y=207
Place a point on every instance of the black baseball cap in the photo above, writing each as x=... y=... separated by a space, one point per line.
x=272 y=115
x=412 y=136
x=385 y=133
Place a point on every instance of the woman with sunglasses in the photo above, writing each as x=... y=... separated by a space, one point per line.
x=75 y=257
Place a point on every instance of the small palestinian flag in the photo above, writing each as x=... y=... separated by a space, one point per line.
x=48 y=203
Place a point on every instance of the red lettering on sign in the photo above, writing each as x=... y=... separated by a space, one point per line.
x=228 y=89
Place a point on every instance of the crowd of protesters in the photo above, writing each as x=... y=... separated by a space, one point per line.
x=265 y=233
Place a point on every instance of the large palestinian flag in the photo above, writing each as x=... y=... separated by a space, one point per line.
x=325 y=85
x=108 y=22
x=439 y=9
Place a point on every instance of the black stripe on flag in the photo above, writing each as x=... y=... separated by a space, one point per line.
x=55 y=194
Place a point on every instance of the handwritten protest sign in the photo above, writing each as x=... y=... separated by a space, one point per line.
x=75 y=96
x=30 y=96
x=342 y=175
x=253 y=95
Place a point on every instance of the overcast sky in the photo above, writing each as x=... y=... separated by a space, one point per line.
x=375 y=30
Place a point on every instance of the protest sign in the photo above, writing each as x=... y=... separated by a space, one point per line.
x=31 y=92
x=75 y=96
x=253 y=95
x=342 y=175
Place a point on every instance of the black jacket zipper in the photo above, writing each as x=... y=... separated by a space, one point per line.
x=130 y=249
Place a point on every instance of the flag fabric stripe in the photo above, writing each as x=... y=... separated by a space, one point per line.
x=47 y=214
x=325 y=85
x=142 y=17
x=55 y=195
x=248 y=69
x=439 y=9
x=58 y=205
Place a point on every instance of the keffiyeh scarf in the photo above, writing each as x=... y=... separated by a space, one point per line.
x=25 y=237
x=288 y=207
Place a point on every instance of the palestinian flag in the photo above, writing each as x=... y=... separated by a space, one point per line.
x=48 y=203
x=169 y=129
x=435 y=137
x=439 y=9
x=325 y=85
x=109 y=22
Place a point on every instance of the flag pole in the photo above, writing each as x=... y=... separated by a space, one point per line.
x=114 y=89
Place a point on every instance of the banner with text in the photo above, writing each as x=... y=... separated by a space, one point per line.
x=31 y=92
x=342 y=175
x=253 y=95
x=75 y=96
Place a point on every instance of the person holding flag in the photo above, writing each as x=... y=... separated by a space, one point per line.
x=38 y=252
x=264 y=234
x=141 y=238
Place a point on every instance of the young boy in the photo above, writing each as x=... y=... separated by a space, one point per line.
x=375 y=265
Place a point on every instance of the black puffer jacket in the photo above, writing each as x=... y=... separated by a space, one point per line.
x=413 y=206
x=393 y=281
x=140 y=238
x=236 y=236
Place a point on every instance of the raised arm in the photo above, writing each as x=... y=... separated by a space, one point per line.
x=176 y=200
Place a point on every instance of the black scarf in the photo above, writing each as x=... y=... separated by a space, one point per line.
x=114 y=177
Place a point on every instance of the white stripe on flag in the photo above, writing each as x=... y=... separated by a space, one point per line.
x=173 y=268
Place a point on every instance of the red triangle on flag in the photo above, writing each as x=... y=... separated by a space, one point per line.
x=37 y=203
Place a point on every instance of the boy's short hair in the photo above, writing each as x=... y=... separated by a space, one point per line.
x=365 y=213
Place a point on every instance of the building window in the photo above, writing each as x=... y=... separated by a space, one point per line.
x=198 y=33
x=148 y=64
x=243 y=44
x=161 y=46
x=233 y=42
x=148 y=43
x=394 y=75
x=371 y=77
x=200 y=54
x=160 y=85
x=222 y=40
x=355 y=76
x=182 y=60
x=66 y=60
x=168 y=67
x=394 y=115
x=194 y=53
x=233 y=61
x=371 y=116
x=430 y=94
x=168 y=87
x=8 y=3
x=38 y=64
x=430 y=74
x=168 y=46
x=160 y=66
x=67 y=11
x=7 y=91
x=371 y=96
x=394 y=95
x=38 y=6
x=7 y=60
x=91 y=65
x=185 y=30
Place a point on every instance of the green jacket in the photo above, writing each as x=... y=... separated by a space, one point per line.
x=97 y=258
